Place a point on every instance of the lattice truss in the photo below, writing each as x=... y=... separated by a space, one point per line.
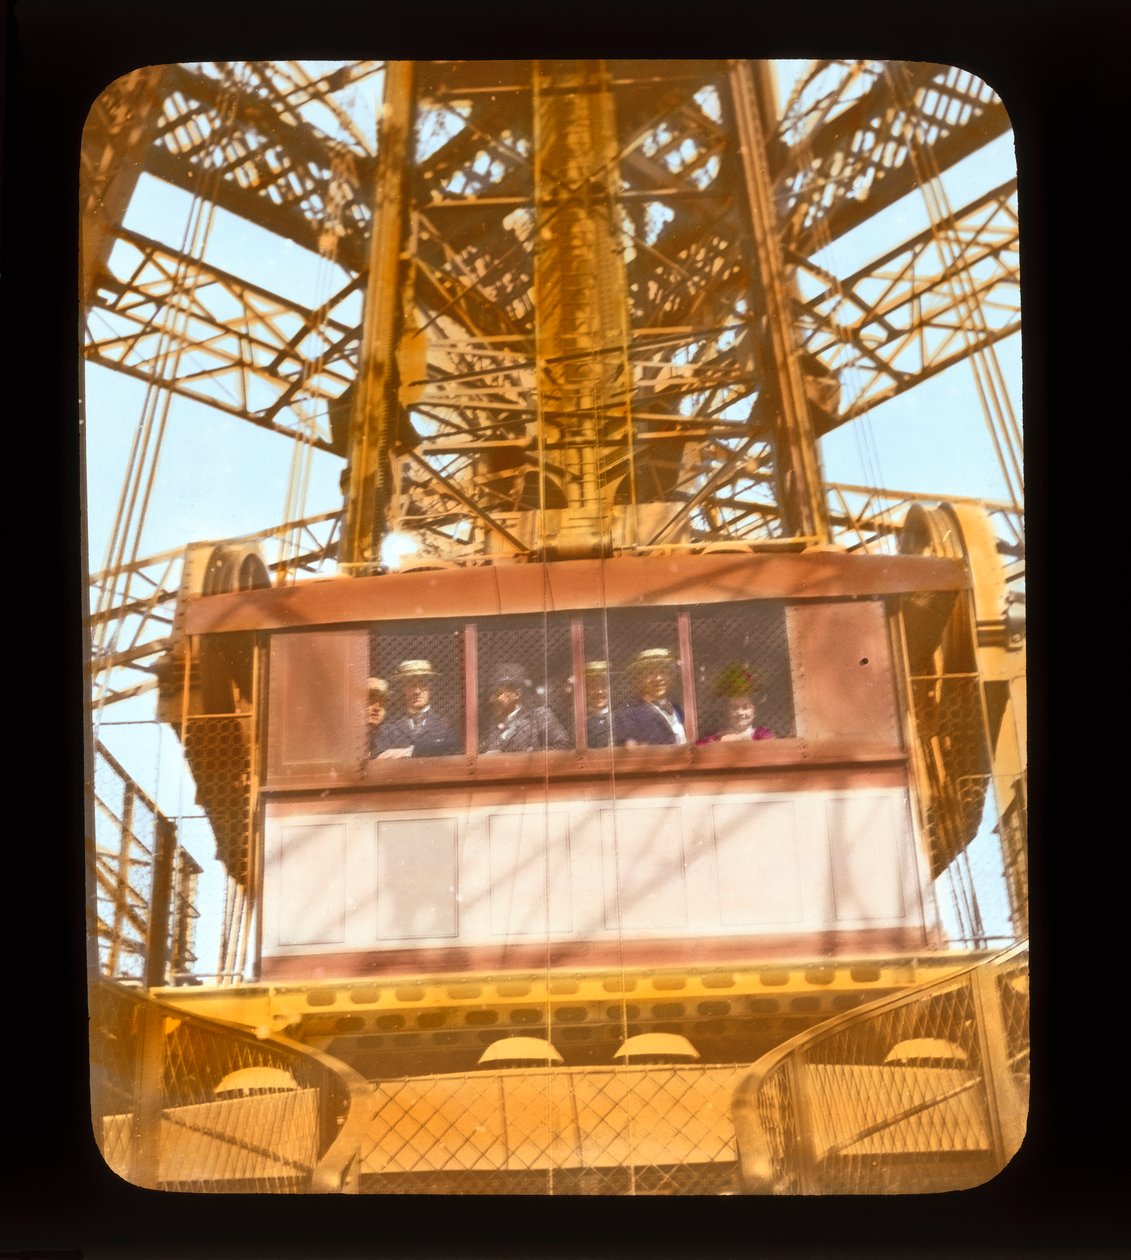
x=670 y=389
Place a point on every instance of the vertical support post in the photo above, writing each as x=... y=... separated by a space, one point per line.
x=1004 y=1107
x=122 y=885
x=470 y=692
x=149 y=1097
x=796 y=464
x=254 y=813
x=160 y=903
x=377 y=402
x=805 y=1158
x=581 y=309
x=580 y=704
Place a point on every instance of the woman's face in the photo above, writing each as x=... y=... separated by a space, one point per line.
x=740 y=713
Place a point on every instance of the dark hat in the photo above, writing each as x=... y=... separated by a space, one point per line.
x=509 y=672
x=413 y=669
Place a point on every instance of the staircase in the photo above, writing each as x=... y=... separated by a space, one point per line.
x=919 y=1093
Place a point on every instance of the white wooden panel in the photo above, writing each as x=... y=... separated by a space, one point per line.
x=310 y=868
x=759 y=877
x=416 y=878
x=642 y=850
x=530 y=873
x=868 y=835
x=747 y=864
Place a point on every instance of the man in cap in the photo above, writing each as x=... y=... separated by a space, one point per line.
x=598 y=718
x=420 y=731
x=513 y=725
x=651 y=717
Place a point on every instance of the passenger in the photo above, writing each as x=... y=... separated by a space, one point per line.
x=376 y=709
x=651 y=717
x=598 y=719
x=420 y=731
x=514 y=725
x=738 y=685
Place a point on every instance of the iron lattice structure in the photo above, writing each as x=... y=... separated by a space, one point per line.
x=607 y=314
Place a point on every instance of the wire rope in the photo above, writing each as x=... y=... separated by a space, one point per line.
x=993 y=393
x=146 y=445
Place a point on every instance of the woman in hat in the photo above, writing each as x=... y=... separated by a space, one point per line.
x=513 y=724
x=651 y=717
x=420 y=731
x=736 y=686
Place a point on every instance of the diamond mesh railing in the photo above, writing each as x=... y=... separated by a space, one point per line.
x=919 y=1093
x=636 y=1129
x=188 y=1104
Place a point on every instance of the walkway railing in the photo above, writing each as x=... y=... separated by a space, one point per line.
x=144 y=882
x=190 y=1104
x=921 y=1092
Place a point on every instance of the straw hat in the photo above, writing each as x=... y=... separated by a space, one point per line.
x=413 y=669
x=650 y=658
x=596 y=669
x=378 y=685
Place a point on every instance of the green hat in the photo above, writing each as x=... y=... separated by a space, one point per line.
x=737 y=679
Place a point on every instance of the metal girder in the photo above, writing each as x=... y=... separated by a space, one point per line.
x=247 y=148
x=905 y=317
x=208 y=335
x=118 y=133
x=837 y=162
x=843 y=144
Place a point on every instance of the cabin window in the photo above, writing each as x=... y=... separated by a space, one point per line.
x=641 y=649
x=421 y=666
x=741 y=650
x=571 y=681
x=524 y=696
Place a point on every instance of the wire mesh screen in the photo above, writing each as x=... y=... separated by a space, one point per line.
x=182 y=1104
x=423 y=664
x=525 y=696
x=661 y=1129
x=218 y=748
x=927 y=1092
x=742 y=650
